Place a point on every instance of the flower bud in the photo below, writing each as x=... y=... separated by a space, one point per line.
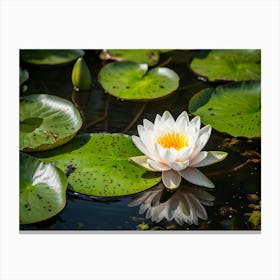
x=81 y=77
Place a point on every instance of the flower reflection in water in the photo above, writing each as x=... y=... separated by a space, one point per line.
x=185 y=205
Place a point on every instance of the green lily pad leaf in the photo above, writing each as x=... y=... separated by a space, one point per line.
x=50 y=57
x=23 y=76
x=229 y=65
x=42 y=190
x=150 y=57
x=98 y=165
x=133 y=81
x=46 y=122
x=234 y=109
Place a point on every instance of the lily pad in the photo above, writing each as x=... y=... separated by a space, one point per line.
x=133 y=81
x=150 y=57
x=42 y=190
x=229 y=65
x=98 y=165
x=50 y=57
x=46 y=122
x=234 y=109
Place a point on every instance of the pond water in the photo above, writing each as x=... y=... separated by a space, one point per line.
x=237 y=179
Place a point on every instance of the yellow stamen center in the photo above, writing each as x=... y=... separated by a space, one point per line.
x=173 y=140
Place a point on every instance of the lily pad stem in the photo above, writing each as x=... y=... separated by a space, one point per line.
x=140 y=112
x=103 y=118
x=192 y=86
x=83 y=128
x=234 y=169
x=165 y=62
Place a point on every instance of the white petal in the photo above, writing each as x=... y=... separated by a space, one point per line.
x=178 y=166
x=182 y=121
x=212 y=157
x=206 y=129
x=148 y=125
x=142 y=161
x=157 y=121
x=141 y=146
x=198 y=158
x=158 y=166
x=171 y=179
x=184 y=153
x=196 y=177
x=166 y=117
x=202 y=140
x=160 y=151
x=170 y=155
x=196 y=122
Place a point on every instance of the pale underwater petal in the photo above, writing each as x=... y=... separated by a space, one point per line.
x=196 y=177
x=212 y=157
x=138 y=199
x=171 y=179
x=200 y=193
x=197 y=207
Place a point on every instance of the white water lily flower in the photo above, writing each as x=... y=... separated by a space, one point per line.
x=174 y=148
x=184 y=206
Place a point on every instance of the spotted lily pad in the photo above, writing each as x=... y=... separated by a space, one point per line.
x=98 y=165
x=42 y=190
x=50 y=56
x=234 y=109
x=150 y=57
x=229 y=65
x=46 y=122
x=133 y=81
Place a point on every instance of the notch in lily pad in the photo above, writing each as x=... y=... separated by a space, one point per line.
x=234 y=109
x=50 y=57
x=228 y=65
x=150 y=57
x=42 y=190
x=133 y=81
x=46 y=122
x=98 y=165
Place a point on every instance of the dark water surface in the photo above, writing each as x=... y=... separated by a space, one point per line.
x=237 y=179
